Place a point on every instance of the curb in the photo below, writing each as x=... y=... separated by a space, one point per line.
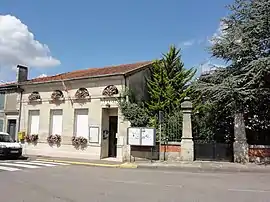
x=163 y=168
x=128 y=165
x=205 y=169
x=123 y=165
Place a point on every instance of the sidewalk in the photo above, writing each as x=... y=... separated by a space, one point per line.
x=84 y=162
x=196 y=166
x=205 y=166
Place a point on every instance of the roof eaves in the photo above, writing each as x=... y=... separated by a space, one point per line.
x=8 y=87
x=71 y=79
x=127 y=73
x=142 y=67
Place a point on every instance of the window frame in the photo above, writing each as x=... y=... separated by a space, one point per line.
x=75 y=122
x=30 y=113
x=51 y=129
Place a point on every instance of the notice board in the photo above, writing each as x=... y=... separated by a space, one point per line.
x=139 y=136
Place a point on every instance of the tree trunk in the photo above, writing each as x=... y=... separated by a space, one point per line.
x=240 y=144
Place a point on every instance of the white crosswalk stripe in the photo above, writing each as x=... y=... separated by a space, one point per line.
x=8 y=168
x=37 y=164
x=20 y=165
x=54 y=163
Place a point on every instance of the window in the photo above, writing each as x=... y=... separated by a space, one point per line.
x=56 y=121
x=1 y=125
x=2 y=101
x=5 y=138
x=81 y=123
x=33 y=121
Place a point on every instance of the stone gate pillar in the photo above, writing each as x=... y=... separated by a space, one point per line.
x=240 y=145
x=187 y=145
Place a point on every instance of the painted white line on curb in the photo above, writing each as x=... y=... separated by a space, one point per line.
x=9 y=168
x=19 y=165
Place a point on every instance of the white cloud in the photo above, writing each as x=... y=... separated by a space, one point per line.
x=192 y=42
x=188 y=43
x=221 y=31
x=19 y=46
x=208 y=66
x=42 y=75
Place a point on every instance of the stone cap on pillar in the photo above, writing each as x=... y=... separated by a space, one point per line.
x=187 y=104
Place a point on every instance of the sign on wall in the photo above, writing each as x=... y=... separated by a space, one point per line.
x=94 y=134
x=141 y=136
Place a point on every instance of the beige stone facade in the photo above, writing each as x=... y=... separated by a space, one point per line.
x=9 y=113
x=100 y=108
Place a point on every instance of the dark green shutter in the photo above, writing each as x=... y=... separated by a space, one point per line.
x=2 y=101
x=1 y=125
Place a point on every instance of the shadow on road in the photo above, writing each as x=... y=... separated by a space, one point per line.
x=14 y=158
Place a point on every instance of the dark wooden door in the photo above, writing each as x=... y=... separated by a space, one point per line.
x=11 y=129
x=113 y=125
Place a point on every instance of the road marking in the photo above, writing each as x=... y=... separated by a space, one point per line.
x=54 y=163
x=249 y=190
x=19 y=165
x=9 y=168
x=85 y=163
x=142 y=183
x=131 y=182
x=35 y=163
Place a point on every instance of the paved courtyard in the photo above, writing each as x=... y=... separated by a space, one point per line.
x=72 y=183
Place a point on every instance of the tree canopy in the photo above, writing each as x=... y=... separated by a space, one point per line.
x=242 y=87
x=167 y=85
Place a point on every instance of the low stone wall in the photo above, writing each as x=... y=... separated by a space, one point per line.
x=169 y=152
x=259 y=153
x=68 y=151
x=139 y=153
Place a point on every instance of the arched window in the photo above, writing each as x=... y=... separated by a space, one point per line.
x=110 y=90
x=82 y=93
x=34 y=96
x=57 y=95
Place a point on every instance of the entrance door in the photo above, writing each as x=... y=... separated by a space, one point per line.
x=11 y=128
x=112 y=135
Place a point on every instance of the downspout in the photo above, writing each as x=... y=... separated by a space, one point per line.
x=127 y=154
x=126 y=88
x=125 y=80
x=20 y=110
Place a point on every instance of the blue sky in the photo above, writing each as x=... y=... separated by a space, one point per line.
x=82 y=34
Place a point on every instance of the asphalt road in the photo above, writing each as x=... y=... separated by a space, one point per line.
x=72 y=183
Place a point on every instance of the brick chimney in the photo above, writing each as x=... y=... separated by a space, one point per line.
x=22 y=73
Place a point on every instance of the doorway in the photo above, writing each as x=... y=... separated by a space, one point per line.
x=11 y=128
x=113 y=126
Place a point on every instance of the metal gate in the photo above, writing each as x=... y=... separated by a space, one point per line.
x=213 y=151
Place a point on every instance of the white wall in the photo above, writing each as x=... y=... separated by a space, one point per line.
x=94 y=107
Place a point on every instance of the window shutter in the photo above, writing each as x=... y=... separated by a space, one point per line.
x=1 y=125
x=2 y=101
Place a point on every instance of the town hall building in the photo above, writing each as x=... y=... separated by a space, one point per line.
x=54 y=110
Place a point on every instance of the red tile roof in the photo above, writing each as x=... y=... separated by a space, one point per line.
x=91 y=72
x=118 y=69
x=8 y=83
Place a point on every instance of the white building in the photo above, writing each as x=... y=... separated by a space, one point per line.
x=80 y=103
